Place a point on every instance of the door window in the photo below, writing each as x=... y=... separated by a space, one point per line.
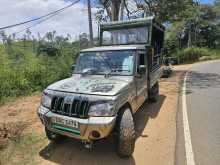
x=141 y=61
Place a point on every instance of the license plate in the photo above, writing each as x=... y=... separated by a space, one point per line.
x=65 y=122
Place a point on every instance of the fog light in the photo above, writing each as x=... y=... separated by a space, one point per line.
x=95 y=134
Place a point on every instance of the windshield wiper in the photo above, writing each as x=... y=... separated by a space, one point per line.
x=88 y=71
x=115 y=71
x=120 y=70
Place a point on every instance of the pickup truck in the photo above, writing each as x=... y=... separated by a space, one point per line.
x=108 y=85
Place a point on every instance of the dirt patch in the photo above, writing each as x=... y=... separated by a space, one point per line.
x=155 y=126
x=10 y=131
x=17 y=116
x=22 y=110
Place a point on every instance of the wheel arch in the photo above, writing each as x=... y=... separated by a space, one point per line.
x=125 y=105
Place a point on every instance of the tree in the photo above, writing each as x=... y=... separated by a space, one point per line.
x=28 y=34
x=49 y=36
x=3 y=37
x=83 y=40
x=200 y=28
x=163 y=10
x=217 y=9
x=112 y=7
x=217 y=6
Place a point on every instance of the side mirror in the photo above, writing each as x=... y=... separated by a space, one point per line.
x=142 y=69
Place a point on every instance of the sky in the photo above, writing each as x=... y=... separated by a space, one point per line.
x=73 y=20
x=206 y=1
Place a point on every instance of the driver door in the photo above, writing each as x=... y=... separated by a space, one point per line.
x=141 y=80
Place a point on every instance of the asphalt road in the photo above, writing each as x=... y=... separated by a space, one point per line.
x=203 y=113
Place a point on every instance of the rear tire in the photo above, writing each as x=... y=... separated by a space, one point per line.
x=126 y=133
x=52 y=136
x=154 y=93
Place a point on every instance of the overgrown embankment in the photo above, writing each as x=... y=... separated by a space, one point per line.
x=194 y=54
x=24 y=70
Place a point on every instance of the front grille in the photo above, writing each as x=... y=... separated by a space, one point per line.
x=70 y=106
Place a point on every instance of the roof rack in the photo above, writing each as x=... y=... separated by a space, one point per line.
x=131 y=23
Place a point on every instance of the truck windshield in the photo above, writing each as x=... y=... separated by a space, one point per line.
x=107 y=62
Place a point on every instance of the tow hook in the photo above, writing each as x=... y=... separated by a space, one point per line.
x=88 y=144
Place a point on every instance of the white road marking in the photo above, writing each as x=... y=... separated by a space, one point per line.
x=188 y=144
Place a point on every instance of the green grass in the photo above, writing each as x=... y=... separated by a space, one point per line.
x=24 y=71
x=23 y=150
x=215 y=54
x=193 y=54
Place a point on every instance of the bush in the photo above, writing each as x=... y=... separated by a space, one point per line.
x=23 y=71
x=193 y=54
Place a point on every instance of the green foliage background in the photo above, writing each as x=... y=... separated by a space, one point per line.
x=23 y=71
x=196 y=30
x=193 y=54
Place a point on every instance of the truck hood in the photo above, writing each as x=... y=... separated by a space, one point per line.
x=92 y=84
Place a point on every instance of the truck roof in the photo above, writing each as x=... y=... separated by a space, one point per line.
x=129 y=23
x=116 y=47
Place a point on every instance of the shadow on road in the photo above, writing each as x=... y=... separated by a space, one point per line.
x=198 y=80
x=71 y=152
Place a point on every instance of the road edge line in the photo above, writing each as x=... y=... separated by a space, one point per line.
x=187 y=136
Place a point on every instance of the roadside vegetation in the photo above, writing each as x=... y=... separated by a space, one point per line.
x=22 y=149
x=197 y=35
x=26 y=67
x=193 y=54
x=29 y=64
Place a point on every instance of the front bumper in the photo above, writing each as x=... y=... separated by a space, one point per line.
x=86 y=127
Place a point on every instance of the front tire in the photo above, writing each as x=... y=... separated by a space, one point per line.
x=126 y=133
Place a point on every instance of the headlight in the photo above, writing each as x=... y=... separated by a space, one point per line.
x=42 y=110
x=102 y=109
x=46 y=100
